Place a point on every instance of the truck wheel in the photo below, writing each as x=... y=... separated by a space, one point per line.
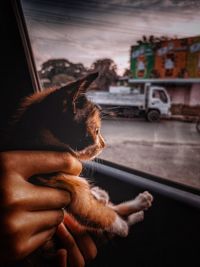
x=153 y=116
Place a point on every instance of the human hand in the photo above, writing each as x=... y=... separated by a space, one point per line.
x=30 y=214
x=76 y=243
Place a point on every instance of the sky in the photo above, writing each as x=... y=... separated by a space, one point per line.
x=83 y=31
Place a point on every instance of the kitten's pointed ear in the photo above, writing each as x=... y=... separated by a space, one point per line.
x=81 y=87
x=83 y=84
x=75 y=89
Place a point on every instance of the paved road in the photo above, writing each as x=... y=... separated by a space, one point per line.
x=169 y=149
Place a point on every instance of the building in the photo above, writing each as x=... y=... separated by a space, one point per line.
x=174 y=64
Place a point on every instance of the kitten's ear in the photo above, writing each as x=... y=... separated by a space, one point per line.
x=75 y=89
x=82 y=85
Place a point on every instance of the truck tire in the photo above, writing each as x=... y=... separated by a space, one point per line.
x=153 y=116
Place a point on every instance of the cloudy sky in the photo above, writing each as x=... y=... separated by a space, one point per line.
x=86 y=30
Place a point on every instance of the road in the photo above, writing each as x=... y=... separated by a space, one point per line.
x=169 y=149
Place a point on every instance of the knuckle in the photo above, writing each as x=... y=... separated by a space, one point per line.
x=11 y=223
x=8 y=161
x=9 y=199
x=17 y=249
x=4 y=162
x=71 y=164
x=66 y=158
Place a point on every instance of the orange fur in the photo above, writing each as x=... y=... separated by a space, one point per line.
x=89 y=210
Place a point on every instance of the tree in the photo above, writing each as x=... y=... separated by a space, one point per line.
x=127 y=73
x=152 y=39
x=61 y=71
x=107 y=73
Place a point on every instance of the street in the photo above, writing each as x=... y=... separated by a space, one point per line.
x=169 y=149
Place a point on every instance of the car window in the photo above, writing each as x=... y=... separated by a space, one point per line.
x=135 y=46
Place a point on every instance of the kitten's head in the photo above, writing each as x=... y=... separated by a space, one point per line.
x=72 y=119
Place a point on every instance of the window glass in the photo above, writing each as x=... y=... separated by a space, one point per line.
x=142 y=50
x=160 y=95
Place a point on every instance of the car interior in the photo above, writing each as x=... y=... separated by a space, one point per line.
x=169 y=235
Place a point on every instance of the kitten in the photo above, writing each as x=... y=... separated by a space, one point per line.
x=65 y=120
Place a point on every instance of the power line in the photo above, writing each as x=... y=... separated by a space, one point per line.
x=105 y=25
x=123 y=6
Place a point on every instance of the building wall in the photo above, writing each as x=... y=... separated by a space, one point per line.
x=179 y=94
x=185 y=95
x=195 y=95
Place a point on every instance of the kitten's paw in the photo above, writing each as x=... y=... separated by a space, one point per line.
x=135 y=218
x=143 y=201
x=119 y=227
x=100 y=195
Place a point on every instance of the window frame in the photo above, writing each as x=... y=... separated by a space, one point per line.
x=21 y=23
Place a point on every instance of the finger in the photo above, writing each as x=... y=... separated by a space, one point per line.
x=87 y=247
x=29 y=163
x=61 y=258
x=75 y=257
x=36 y=241
x=44 y=198
x=31 y=223
x=41 y=221
x=73 y=225
x=85 y=242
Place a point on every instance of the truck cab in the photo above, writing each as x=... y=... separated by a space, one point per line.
x=158 y=102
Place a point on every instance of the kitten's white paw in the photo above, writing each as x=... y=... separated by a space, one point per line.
x=119 y=227
x=143 y=201
x=135 y=218
x=100 y=195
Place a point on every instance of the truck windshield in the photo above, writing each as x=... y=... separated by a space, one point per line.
x=160 y=94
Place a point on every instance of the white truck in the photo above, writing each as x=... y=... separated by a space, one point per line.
x=149 y=101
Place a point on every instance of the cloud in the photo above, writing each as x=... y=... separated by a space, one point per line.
x=85 y=30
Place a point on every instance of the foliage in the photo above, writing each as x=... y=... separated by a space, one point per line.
x=107 y=73
x=61 y=71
